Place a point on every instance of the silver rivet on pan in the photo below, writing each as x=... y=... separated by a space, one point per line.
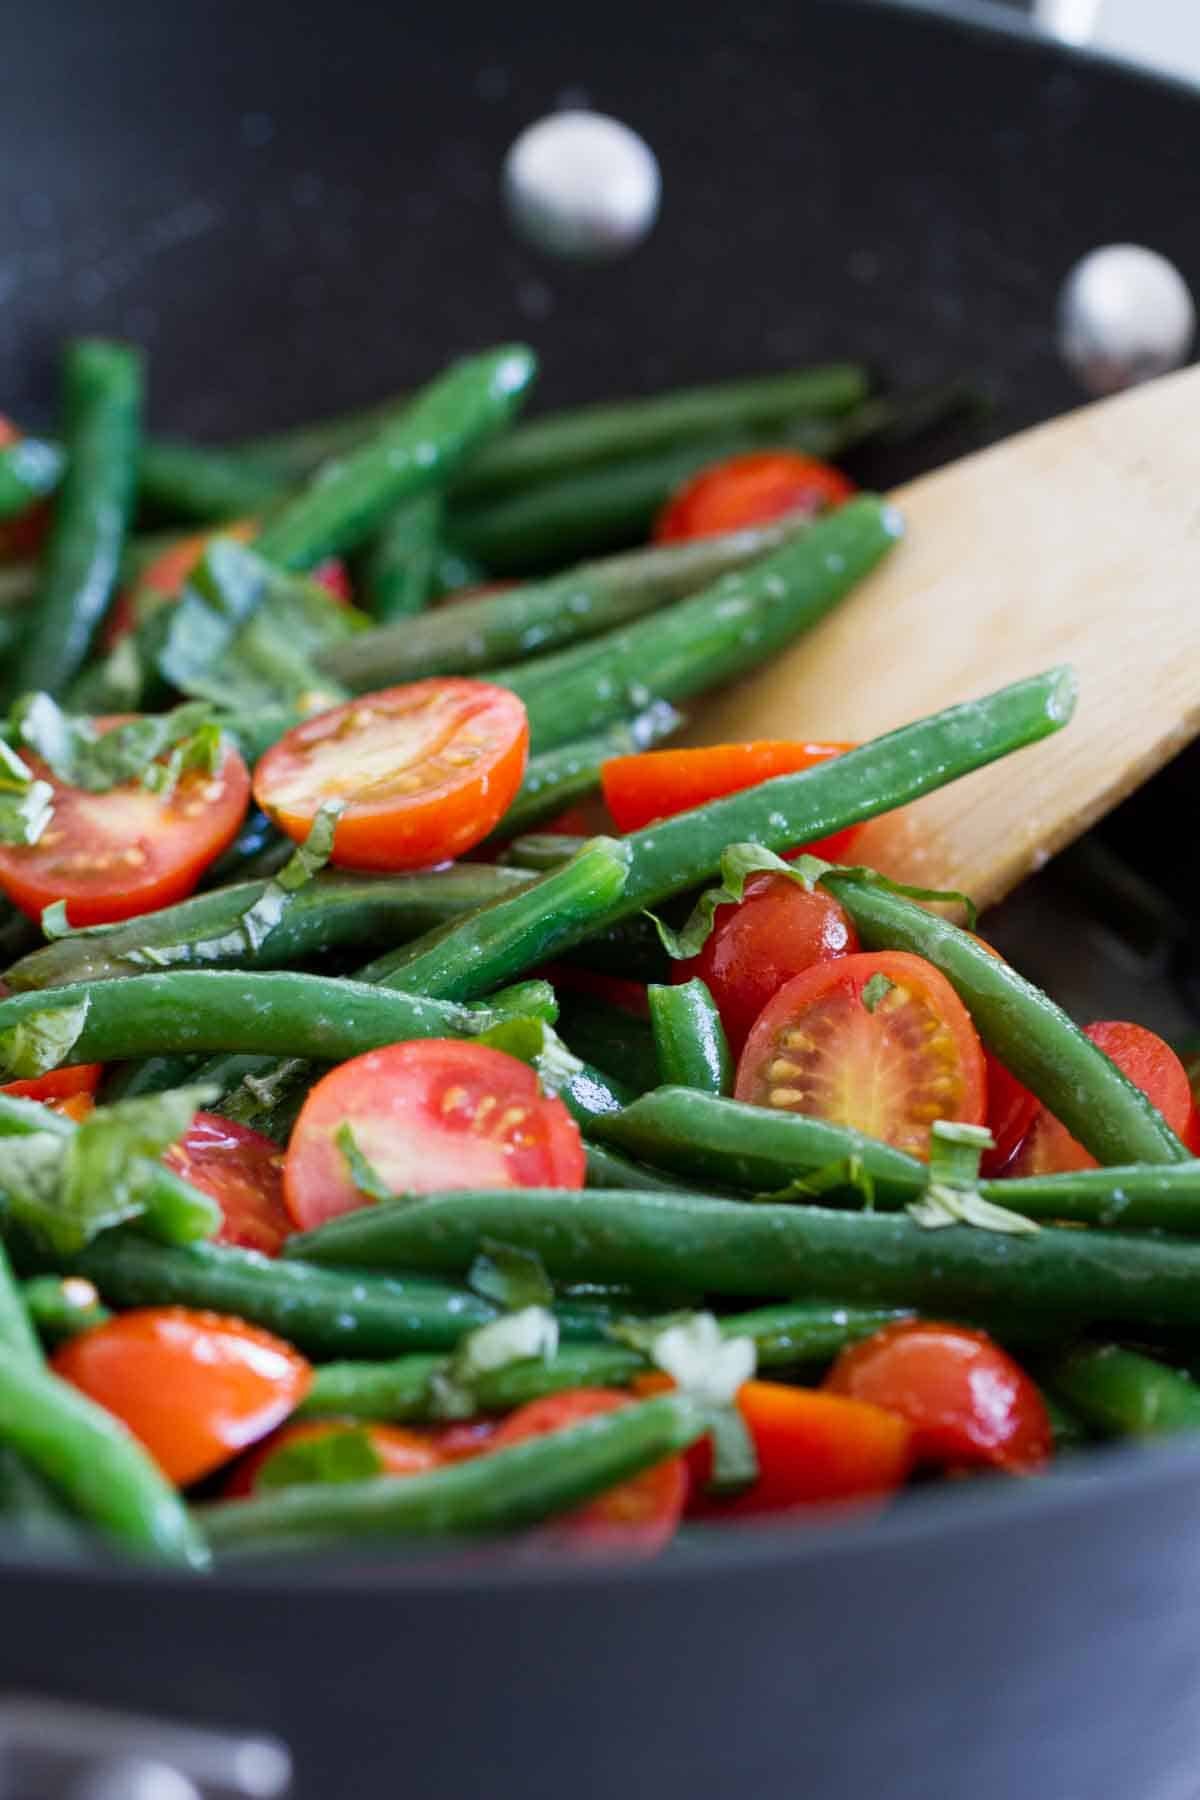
x=1125 y=314
x=582 y=185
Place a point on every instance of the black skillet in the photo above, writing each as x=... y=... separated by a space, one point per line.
x=295 y=207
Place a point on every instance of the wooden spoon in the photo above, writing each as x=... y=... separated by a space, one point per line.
x=1076 y=542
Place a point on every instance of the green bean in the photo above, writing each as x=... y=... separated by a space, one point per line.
x=103 y=398
x=616 y=431
x=30 y=470
x=1069 y=1431
x=612 y=1037
x=31 y=1513
x=589 y=1094
x=542 y=850
x=1124 y=1394
x=299 y=449
x=693 y=1051
x=473 y=635
x=1023 y=1027
x=92 y=1460
x=507 y=1489
x=18 y=583
x=560 y=778
x=711 y=1246
x=61 y=1306
x=18 y=1340
x=335 y=910
x=347 y=498
x=396 y=577
x=274 y=1013
x=201 y=482
x=609 y=1169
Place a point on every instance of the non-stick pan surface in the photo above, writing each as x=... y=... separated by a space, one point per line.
x=295 y=207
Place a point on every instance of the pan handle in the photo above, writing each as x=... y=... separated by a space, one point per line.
x=57 y=1750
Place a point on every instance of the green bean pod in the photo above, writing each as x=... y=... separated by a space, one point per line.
x=718 y=634
x=475 y=635
x=560 y=778
x=1023 y=1027
x=503 y=1491
x=1124 y=1394
x=32 y=1516
x=689 y=1038
x=348 y=497
x=697 y=1244
x=335 y=910
x=612 y=1038
x=61 y=1306
x=205 y=484
x=103 y=400
x=30 y=470
x=396 y=576
x=609 y=1169
x=18 y=1339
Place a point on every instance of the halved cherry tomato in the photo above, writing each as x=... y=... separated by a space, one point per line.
x=750 y=490
x=243 y=1171
x=888 y=1062
x=73 y=1106
x=813 y=1449
x=434 y=1113
x=969 y=1404
x=111 y=856
x=400 y=1452
x=1151 y=1065
x=638 y=1517
x=24 y=535
x=424 y=771
x=466 y=1437
x=657 y=784
x=777 y=931
x=59 y=1084
x=195 y=1387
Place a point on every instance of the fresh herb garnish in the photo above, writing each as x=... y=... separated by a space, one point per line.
x=512 y=1278
x=952 y=1195
x=877 y=989
x=526 y=1336
x=347 y=1455
x=80 y=755
x=26 y=804
x=42 y=1041
x=366 y=1178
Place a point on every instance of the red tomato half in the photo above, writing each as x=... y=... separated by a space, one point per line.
x=970 y=1405
x=400 y=1452
x=59 y=1084
x=777 y=931
x=195 y=1387
x=750 y=490
x=1151 y=1065
x=1011 y=1107
x=22 y=536
x=243 y=1171
x=424 y=771
x=657 y=784
x=636 y=1518
x=889 y=1066
x=435 y=1113
x=114 y=855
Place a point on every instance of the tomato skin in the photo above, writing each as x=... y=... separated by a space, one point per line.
x=890 y=1070
x=656 y=784
x=73 y=1106
x=112 y=856
x=750 y=489
x=637 y=1518
x=24 y=535
x=430 y=1114
x=449 y=754
x=195 y=1387
x=59 y=1084
x=777 y=931
x=243 y=1172
x=969 y=1404
x=1150 y=1064
x=400 y=1451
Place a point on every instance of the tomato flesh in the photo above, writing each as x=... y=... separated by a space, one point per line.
x=657 y=784
x=969 y=1404
x=1150 y=1064
x=114 y=855
x=243 y=1171
x=59 y=1084
x=400 y=1452
x=750 y=489
x=423 y=772
x=888 y=1062
x=427 y=1115
x=194 y=1387
x=636 y=1518
x=777 y=931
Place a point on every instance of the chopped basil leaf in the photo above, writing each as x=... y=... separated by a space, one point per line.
x=42 y=1040
x=700 y=1361
x=26 y=804
x=524 y=1336
x=851 y=1176
x=877 y=989
x=952 y=1195
x=80 y=755
x=348 y=1455
x=366 y=1178
x=534 y=1042
x=513 y=1278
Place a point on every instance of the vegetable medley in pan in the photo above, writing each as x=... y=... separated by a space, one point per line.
x=434 y=1105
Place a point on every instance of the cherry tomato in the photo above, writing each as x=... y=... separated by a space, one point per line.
x=400 y=1452
x=750 y=490
x=1011 y=1107
x=466 y=1437
x=776 y=932
x=968 y=1402
x=243 y=1171
x=334 y=577
x=430 y=1114
x=24 y=535
x=73 y=1106
x=657 y=784
x=111 y=856
x=813 y=1449
x=195 y=1387
x=1150 y=1064
x=636 y=1518
x=59 y=1084
x=887 y=1060
x=424 y=771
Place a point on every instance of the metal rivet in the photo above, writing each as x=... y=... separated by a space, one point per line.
x=1124 y=315
x=134 y=1778
x=580 y=184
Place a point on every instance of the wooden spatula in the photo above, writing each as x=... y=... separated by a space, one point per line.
x=1076 y=542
